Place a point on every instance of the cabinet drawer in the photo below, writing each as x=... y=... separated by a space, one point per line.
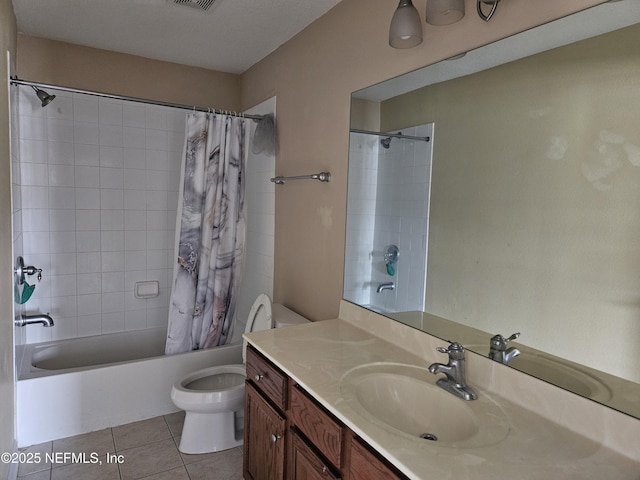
x=322 y=430
x=366 y=465
x=305 y=464
x=267 y=378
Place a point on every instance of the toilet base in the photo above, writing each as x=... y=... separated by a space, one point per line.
x=209 y=432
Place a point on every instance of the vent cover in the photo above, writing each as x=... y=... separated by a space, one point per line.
x=202 y=5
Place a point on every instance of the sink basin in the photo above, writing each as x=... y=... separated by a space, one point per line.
x=562 y=375
x=404 y=400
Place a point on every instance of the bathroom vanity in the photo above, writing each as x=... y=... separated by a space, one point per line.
x=314 y=409
x=287 y=430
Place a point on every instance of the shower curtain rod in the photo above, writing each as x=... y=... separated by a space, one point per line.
x=17 y=81
x=394 y=135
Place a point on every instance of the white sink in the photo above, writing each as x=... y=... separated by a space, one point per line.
x=562 y=375
x=404 y=400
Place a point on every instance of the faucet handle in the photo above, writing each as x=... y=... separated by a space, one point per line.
x=455 y=350
x=499 y=342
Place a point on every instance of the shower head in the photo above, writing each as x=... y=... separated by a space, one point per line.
x=44 y=97
x=385 y=142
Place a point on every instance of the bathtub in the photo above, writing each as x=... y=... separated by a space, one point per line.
x=75 y=386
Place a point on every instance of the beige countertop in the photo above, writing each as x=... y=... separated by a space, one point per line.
x=320 y=354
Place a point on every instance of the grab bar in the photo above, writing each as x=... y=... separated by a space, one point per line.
x=322 y=176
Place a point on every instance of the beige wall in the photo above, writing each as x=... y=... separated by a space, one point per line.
x=7 y=391
x=313 y=76
x=59 y=63
x=534 y=220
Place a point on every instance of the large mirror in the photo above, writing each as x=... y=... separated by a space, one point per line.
x=531 y=201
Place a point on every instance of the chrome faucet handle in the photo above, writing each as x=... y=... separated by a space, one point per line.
x=455 y=351
x=513 y=337
x=31 y=270
x=499 y=342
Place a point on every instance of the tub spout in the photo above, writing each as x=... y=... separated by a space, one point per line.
x=386 y=286
x=42 y=318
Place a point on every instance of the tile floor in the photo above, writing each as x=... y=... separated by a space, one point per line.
x=148 y=450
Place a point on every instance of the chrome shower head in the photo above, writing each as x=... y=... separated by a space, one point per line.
x=44 y=97
x=385 y=142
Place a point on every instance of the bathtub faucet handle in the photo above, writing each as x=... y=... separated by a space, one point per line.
x=31 y=270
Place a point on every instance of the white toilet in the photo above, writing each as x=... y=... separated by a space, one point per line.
x=213 y=397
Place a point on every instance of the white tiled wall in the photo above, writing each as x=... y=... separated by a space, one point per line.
x=259 y=245
x=361 y=216
x=16 y=195
x=99 y=188
x=388 y=200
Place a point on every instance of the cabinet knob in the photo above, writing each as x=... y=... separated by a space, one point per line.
x=275 y=438
x=258 y=377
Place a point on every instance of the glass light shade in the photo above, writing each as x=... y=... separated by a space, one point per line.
x=406 y=27
x=444 y=12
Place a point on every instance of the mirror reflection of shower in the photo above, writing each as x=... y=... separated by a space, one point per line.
x=390 y=210
x=45 y=98
x=386 y=142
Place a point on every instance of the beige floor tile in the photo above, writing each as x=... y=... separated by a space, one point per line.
x=175 y=422
x=175 y=474
x=43 y=475
x=225 y=465
x=140 y=433
x=36 y=458
x=86 y=471
x=94 y=443
x=150 y=459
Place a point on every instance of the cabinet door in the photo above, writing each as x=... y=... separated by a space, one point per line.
x=263 y=439
x=305 y=464
x=367 y=466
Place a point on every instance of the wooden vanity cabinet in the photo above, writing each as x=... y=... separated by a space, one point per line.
x=289 y=435
x=264 y=419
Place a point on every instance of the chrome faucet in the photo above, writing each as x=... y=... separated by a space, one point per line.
x=454 y=381
x=42 y=318
x=386 y=286
x=498 y=348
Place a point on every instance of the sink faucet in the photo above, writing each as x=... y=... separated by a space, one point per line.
x=42 y=318
x=454 y=381
x=499 y=351
x=386 y=286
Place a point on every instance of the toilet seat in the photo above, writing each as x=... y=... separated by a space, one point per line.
x=260 y=318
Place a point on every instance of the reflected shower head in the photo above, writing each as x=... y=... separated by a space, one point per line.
x=44 y=97
x=385 y=142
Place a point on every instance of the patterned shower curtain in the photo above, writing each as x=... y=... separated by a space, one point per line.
x=212 y=233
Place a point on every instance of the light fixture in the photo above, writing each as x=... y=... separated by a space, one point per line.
x=494 y=6
x=444 y=12
x=44 y=97
x=406 y=27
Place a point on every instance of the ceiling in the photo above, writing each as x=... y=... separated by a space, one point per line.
x=231 y=36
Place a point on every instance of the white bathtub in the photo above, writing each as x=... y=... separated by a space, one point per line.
x=84 y=384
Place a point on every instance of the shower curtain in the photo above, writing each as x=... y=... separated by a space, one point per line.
x=211 y=235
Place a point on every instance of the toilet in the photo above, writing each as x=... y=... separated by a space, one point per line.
x=213 y=398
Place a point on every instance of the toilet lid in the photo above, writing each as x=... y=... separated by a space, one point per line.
x=260 y=318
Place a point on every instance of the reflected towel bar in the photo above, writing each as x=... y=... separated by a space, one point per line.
x=395 y=135
x=322 y=176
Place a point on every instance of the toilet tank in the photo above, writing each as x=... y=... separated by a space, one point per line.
x=285 y=317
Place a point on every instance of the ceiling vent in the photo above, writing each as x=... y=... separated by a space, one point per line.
x=202 y=5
